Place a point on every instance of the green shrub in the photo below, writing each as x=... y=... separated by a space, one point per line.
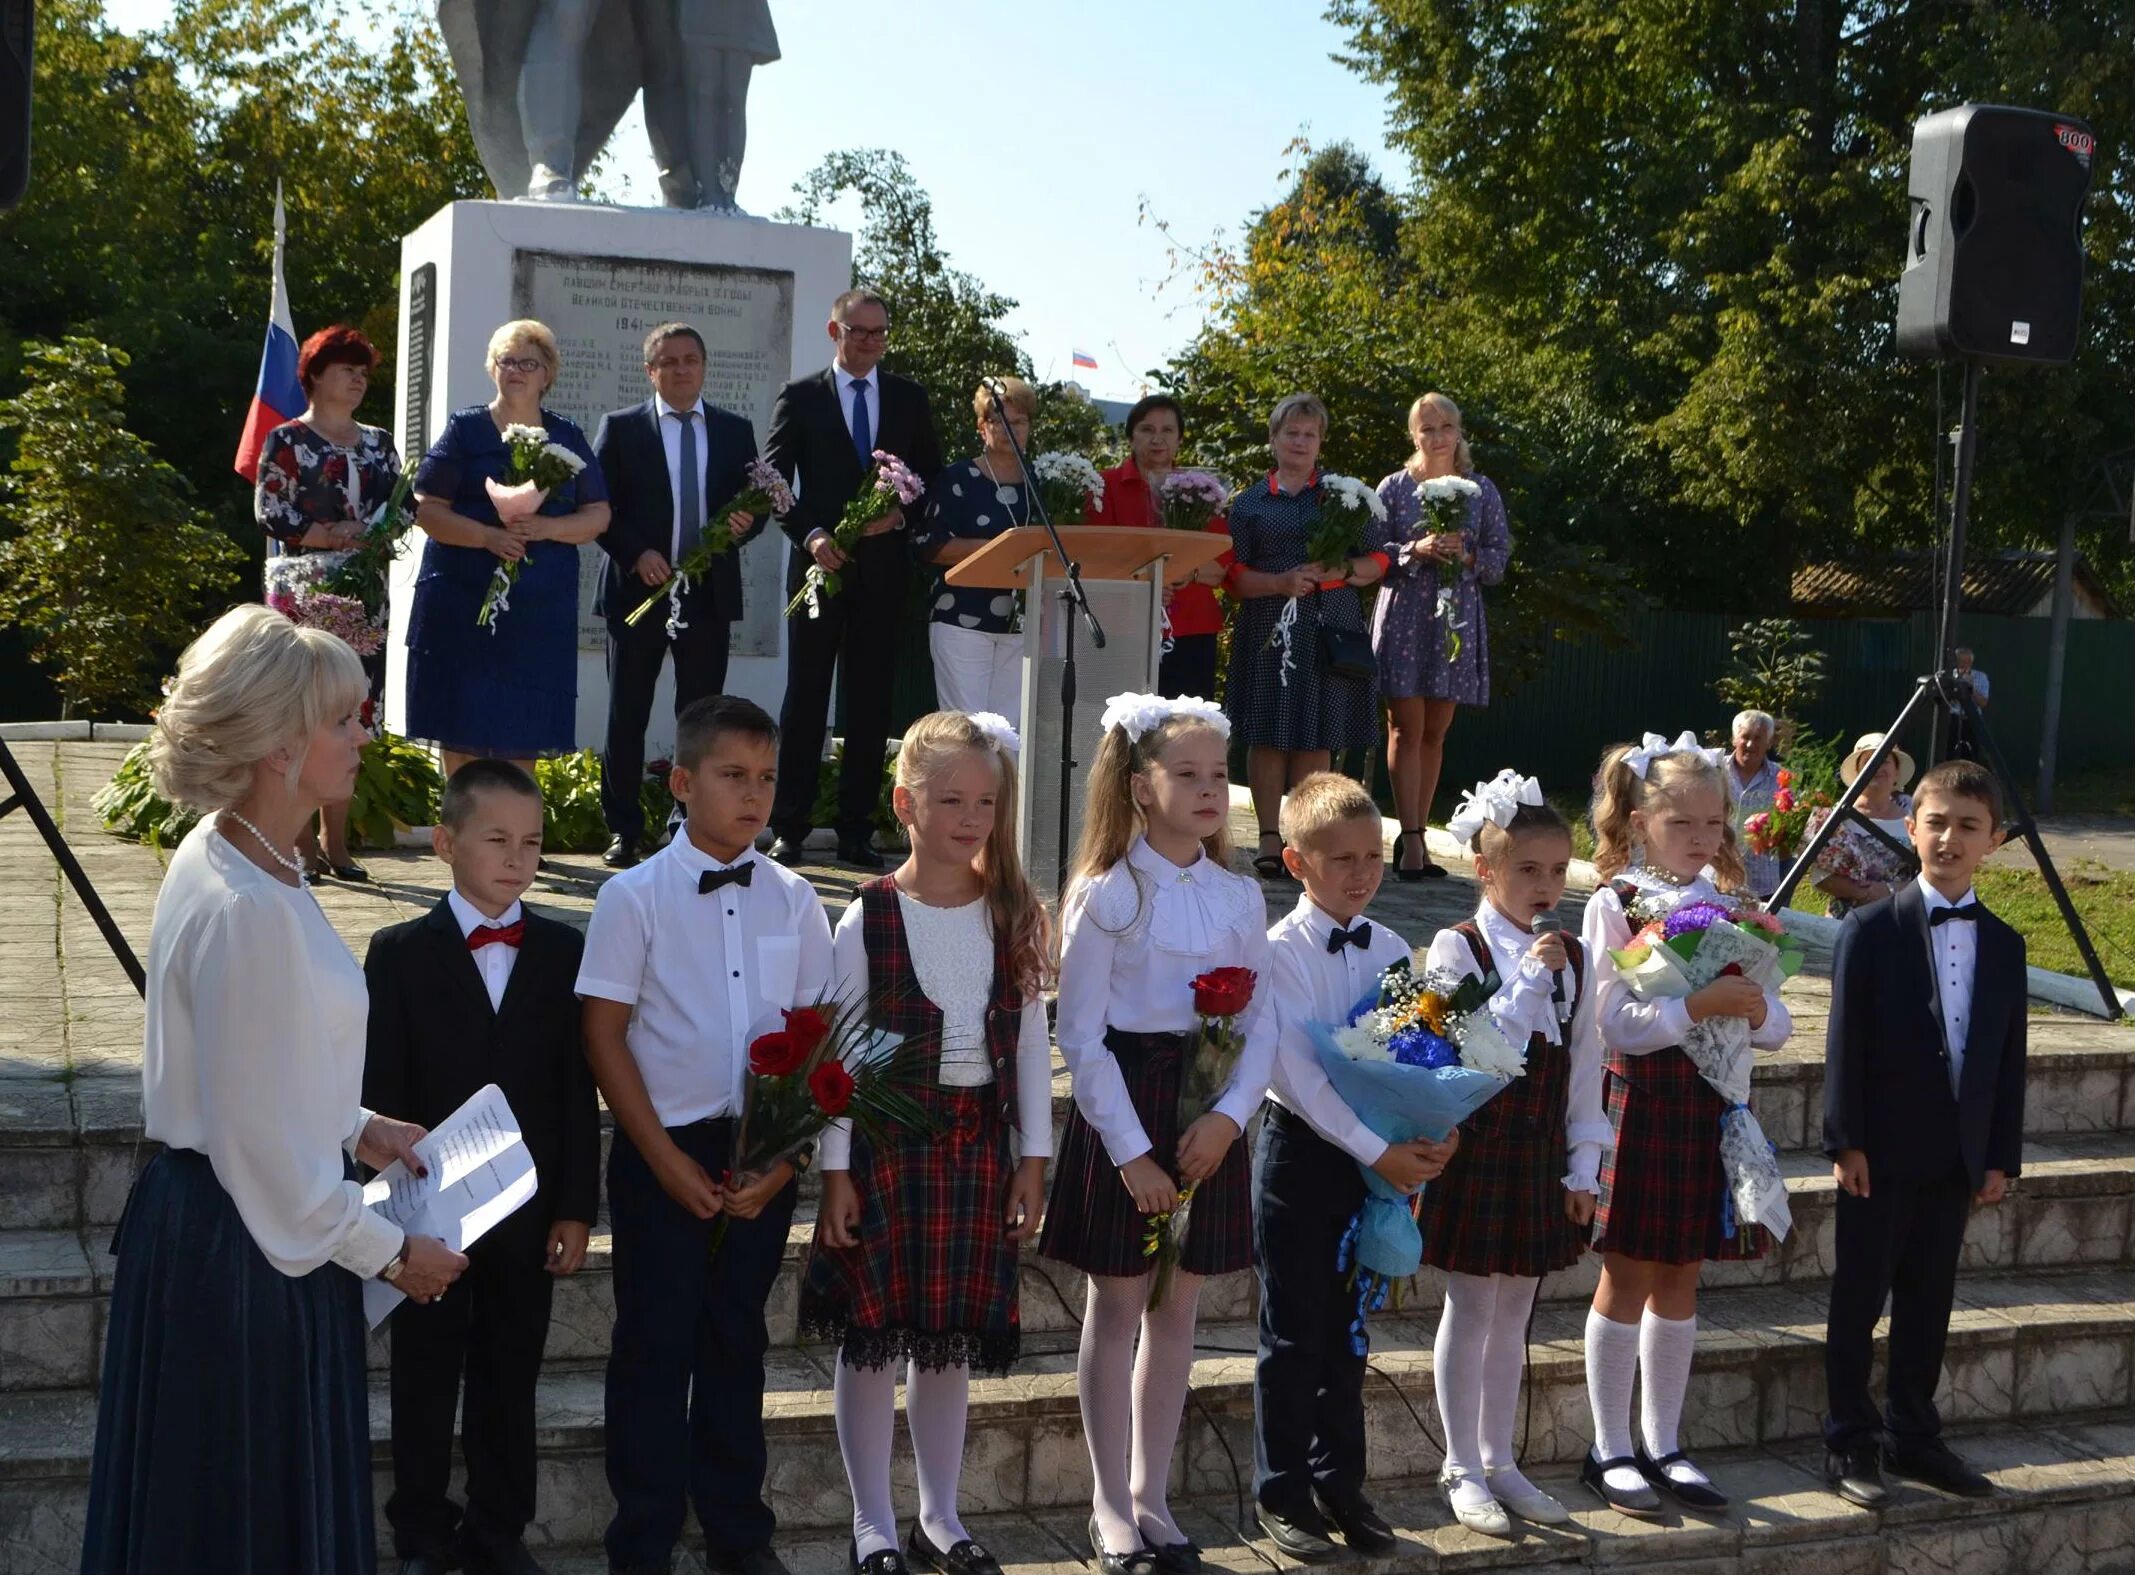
x=570 y=803
x=396 y=787
x=128 y=805
x=825 y=812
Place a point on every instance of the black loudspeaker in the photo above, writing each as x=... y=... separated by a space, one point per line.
x=17 y=28
x=1994 y=258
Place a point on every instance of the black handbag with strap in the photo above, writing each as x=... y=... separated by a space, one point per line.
x=1346 y=653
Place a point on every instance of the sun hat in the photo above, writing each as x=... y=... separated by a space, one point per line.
x=1866 y=745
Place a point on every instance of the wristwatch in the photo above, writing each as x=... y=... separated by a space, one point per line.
x=391 y=1271
x=803 y=1157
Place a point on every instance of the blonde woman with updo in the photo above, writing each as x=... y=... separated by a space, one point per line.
x=232 y=1428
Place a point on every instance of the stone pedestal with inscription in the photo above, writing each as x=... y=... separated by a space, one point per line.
x=600 y=278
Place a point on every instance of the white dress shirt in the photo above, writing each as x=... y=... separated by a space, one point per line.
x=1525 y=1005
x=1628 y=1025
x=945 y=944
x=1312 y=985
x=706 y=973
x=1955 y=949
x=1132 y=942
x=254 y=1054
x=671 y=419
x=494 y=961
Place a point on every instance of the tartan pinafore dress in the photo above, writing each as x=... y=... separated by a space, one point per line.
x=934 y=1276
x=1499 y=1207
x=1663 y=1188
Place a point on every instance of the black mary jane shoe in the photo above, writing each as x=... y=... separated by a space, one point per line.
x=1641 y=1503
x=1140 y=1562
x=1178 y=1558
x=963 y=1558
x=885 y=1561
x=1691 y=1495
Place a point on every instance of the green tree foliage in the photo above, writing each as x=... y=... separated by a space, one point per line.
x=1774 y=667
x=946 y=329
x=107 y=563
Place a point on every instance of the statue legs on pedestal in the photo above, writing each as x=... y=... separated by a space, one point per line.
x=550 y=95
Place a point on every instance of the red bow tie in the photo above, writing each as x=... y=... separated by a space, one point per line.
x=484 y=934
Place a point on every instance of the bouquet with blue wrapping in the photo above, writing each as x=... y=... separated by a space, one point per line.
x=1415 y=1058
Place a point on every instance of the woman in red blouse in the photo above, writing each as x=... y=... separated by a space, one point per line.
x=1155 y=431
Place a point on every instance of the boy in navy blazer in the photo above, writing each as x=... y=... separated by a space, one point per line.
x=478 y=991
x=671 y=463
x=1923 y=1117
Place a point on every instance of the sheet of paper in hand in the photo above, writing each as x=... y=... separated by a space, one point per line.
x=480 y=1171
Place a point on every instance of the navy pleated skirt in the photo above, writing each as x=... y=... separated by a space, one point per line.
x=231 y=1433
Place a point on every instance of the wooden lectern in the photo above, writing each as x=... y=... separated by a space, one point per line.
x=1124 y=572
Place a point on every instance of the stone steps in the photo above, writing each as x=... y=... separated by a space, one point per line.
x=2038 y=1351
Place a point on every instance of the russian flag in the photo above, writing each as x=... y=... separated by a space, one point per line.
x=279 y=396
x=1084 y=358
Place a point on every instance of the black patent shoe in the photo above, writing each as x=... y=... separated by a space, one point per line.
x=1178 y=1558
x=965 y=1558
x=1640 y=1502
x=621 y=853
x=1855 y=1474
x=1140 y=1562
x=788 y=851
x=1302 y=1539
x=1361 y=1526
x=1691 y=1495
x=859 y=852
x=886 y=1561
x=1938 y=1465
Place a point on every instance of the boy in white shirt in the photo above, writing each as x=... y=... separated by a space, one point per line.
x=1308 y=1386
x=689 y=957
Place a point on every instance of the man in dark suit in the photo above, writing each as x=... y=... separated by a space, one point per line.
x=1923 y=1117
x=646 y=452
x=822 y=430
x=480 y=991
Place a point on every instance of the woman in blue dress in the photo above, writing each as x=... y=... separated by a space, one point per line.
x=509 y=690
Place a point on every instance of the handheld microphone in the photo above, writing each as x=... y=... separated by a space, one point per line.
x=1550 y=924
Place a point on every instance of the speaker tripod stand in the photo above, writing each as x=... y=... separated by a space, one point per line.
x=1947 y=694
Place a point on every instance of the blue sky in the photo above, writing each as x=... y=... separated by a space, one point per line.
x=1039 y=129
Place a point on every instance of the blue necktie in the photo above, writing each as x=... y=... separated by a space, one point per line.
x=863 y=434
x=689 y=492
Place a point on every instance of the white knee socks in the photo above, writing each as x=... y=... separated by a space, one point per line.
x=1162 y=1368
x=1665 y=1348
x=1611 y=1366
x=1104 y=1380
x=935 y=1406
x=1504 y=1363
x=864 y=1402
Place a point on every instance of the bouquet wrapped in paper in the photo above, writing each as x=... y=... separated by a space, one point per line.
x=764 y=496
x=1681 y=948
x=1191 y=499
x=1347 y=505
x=1071 y=488
x=889 y=484
x=536 y=468
x=1220 y=998
x=1414 y=1059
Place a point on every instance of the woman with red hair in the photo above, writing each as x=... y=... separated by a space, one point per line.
x=320 y=477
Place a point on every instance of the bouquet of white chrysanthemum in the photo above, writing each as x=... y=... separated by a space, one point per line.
x=1347 y=505
x=765 y=495
x=1069 y=486
x=1445 y=501
x=536 y=468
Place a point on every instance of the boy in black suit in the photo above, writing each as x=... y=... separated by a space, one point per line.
x=1923 y=1117
x=479 y=991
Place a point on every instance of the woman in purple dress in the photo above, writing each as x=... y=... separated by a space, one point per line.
x=1433 y=648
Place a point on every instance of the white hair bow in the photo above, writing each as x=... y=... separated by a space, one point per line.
x=1654 y=747
x=1494 y=802
x=998 y=728
x=1138 y=714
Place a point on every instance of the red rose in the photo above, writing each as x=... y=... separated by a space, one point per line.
x=1223 y=992
x=832 y=1087
x=368 y=710
x=807 y=1028
x=775 y=1055
x=1786 y=779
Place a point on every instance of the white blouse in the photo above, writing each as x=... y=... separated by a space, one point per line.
x=952 y=953
x=1133 y=940
x=1525 y=1005
x=1634 y=1027
x=1313 y=985
x=254 y=1054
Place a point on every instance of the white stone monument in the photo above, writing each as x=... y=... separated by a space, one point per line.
x=600 y=278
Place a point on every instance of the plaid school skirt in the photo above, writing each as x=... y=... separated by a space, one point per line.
x=933 y=1279
x=1499 y=1207
x=1090 y=1218
x=1663 y=1189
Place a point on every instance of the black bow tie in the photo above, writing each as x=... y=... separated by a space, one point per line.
x=1359 y=936
x=1941 y=916
x=712 y=880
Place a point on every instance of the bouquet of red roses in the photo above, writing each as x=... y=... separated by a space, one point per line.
x=827 y=1063
x=1220 y=998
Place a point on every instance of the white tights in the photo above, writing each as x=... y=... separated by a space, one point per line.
x=864 y=1401
x=1133 y=1399
x=1476 y=1368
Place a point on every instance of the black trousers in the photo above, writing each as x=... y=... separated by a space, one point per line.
x=1901 y=1242
x=685 y=1397
x=1308 y=1385
x=489 y=1330
x=1189 y=668
x=864 y=623
x=634 y=657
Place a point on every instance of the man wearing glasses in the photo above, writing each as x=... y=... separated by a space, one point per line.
x=824 y=430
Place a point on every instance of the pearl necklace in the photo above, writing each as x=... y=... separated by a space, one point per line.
x=290 y=864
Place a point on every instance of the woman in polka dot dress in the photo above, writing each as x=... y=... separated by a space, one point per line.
x=973 y=633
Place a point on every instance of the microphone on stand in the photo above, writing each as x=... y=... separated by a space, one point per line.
x=1550 y=924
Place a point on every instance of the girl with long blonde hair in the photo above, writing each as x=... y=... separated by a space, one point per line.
x=919 y=1236
x=1151 y=906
